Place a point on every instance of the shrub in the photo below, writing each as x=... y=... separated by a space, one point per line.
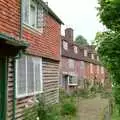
x=68 y=107
x=42 y=111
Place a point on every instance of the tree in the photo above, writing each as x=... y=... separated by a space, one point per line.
x=109 y=13
x=80 y=40
x=108 y=43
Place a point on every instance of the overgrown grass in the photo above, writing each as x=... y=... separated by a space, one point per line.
x=115 y=115
x=65 y=110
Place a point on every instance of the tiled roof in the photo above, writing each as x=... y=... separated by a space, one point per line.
x=80 y=55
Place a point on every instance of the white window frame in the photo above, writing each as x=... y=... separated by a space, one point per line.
x=72 y=84
x=97 y=58
x=65 y=45
x=91 y=68
x=92 y=56
x=41 y=79
x=28 y=24
x=85 y=53
x=98 y=69
x=82 y=64
x=71 y=63
x=35 y=5
x=102 y=70
x=75 y=49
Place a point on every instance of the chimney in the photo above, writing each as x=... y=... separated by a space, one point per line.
x=69 y=34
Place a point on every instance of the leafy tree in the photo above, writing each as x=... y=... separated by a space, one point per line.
x=80 y=40
x=108 y=43
x=109 y=13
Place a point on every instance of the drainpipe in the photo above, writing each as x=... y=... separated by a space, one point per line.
x=14 y=89
x=21 y=19
x=17 y=57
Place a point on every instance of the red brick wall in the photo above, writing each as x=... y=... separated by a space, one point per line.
x=45 y=45
x=9 y=17
x=77 y=70
x=90 y=76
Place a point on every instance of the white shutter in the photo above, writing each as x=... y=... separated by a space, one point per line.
x=30 y=75
x=21 y=76
x=25 y=9
x=40 y=19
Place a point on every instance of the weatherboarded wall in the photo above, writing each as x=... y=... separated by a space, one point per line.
x=50 y=88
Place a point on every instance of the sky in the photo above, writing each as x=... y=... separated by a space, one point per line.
x=79 y=15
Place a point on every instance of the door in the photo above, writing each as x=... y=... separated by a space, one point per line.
x=65 y=81
x=2 y=88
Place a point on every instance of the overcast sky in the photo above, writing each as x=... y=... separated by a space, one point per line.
x=78 y=14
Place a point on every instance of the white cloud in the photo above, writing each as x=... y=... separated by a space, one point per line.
x=78 y=14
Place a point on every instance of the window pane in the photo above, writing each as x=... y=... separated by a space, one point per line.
x=33 y=15
x=40 y=19
x=72 y=80
x=71 y=63
x=21 y=76
x=25 y=7
x=37 y=78
x=30 y=75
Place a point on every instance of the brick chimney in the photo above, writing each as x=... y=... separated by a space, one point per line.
x=69 y=34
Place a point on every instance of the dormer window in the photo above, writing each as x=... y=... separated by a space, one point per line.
x=65 y=45
x=97 y=58
x=92 y=56
x=75 y=49
x=32 y=14
x=85 y=53
x=102 y=70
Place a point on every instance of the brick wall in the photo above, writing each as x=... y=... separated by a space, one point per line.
x=45 y=44
x=9 y=17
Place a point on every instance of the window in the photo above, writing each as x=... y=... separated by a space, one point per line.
x=71 y=63
x=85 y=53
x=72 y=80
x=98 y=69
x=28 y=76
x=32 y=14
x=82 y=65
x=65 y=45
x=75 y=49
x=92 y=56
x=97 y=58
x=102 y=70
x=91 y=68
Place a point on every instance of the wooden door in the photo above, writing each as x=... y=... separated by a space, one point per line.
x=2 y=88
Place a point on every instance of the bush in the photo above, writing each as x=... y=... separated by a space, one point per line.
x=68 y=107
x=42 y=111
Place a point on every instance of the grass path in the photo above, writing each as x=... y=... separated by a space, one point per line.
x=92 y=108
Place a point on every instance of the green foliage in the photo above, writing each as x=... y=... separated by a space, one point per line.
x=80 y=40
x=108 y=43
x=30 y=113
x=68 y=108
x=42 y=111
x=109 y=13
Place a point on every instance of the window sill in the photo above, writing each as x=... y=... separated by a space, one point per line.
x=38 y=31
x=72 y=84
x=29 y=95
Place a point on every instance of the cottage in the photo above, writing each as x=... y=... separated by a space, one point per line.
x=78 y=64
x=29 y=55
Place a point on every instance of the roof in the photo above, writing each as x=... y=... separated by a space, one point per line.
x=50 y=11
x=80 y=55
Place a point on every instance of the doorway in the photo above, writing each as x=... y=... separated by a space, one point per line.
x=3 y=86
